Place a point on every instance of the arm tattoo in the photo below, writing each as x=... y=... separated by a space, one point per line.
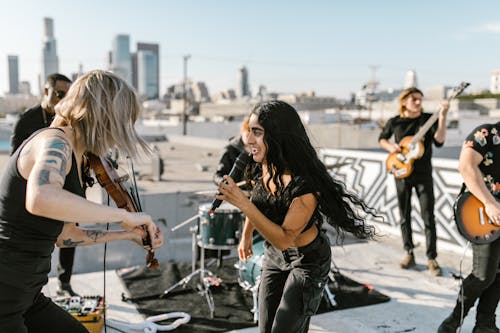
x=55 y=153
x=69 y=243
x=94 y=234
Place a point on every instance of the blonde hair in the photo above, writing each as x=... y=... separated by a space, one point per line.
x=404 y=95
x=244 y=125
x=104 y=107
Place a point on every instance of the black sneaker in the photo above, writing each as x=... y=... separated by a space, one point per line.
x=449 y=325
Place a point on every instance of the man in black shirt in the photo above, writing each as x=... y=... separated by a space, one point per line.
x=479 y=166
x=411 y=118
x=31 y=120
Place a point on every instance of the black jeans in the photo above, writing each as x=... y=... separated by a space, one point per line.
x=425 y=194
x=291 y=285
x=482 y=283
x=65 y=266
x=28 y=311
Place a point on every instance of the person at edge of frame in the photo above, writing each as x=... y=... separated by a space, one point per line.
x=30 y=121
x=42 y=198
x=479 y=166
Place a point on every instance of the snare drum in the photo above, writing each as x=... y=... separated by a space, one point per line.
x=249 y=272
x=222 y=229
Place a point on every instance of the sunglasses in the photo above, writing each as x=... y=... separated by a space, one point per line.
x=59 y=94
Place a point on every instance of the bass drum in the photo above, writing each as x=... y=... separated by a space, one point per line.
x=249 y=272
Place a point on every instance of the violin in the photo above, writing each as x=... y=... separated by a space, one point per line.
x=108 y=178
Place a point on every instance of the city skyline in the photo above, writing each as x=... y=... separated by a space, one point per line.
x=332 y=48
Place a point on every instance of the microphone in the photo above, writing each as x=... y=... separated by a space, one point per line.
x=236 y=173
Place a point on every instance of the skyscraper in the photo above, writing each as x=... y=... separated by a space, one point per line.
x=50 y=60
x=13 y=74
x=121 y=61
x=147 y=70
x=244 y=88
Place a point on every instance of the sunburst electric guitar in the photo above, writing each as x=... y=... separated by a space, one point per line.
x=400 y=164
x=472 y=221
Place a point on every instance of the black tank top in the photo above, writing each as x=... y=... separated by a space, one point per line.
x=27 y=240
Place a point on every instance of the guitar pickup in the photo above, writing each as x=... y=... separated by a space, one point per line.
x=402 y=157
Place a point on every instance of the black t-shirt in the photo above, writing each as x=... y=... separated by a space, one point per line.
x=403 y=127
x=29 y=122
x=27 y=240
x=276 y=207
x=485 y=139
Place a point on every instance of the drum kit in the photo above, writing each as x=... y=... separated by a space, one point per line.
x=221 y=230
x=218 y=230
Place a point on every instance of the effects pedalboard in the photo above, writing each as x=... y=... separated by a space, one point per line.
x=86 y=309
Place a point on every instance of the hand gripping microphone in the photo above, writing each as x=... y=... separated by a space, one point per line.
x=236 y=173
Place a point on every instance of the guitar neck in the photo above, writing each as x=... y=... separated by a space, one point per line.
x=421 y=132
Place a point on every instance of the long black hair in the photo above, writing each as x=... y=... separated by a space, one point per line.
x=289 y=150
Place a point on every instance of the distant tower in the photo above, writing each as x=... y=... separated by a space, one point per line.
x=243 y=84
x=24 y=88
x=410 y=79
x=121 y=61
x=147 y=70
x=50 y=61
x=13 y=74
x=495 y=82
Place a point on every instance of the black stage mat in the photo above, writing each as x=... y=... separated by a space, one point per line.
x=233 y=304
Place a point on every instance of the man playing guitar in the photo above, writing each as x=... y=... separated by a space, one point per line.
x=411 y=117
x=479 y=161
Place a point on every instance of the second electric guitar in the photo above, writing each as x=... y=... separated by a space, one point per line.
x=400 y=164
x=472 y=221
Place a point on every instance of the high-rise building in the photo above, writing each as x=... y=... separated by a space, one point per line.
x=147 y=75
x=244 y=88
x=50 y=60
x=410 y=79
x=146 y=65
x=13 y=74
x=121 y=61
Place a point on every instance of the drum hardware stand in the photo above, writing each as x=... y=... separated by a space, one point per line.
x=254 y=290
x=205 y=275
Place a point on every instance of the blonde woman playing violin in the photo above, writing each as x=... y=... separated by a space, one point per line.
x=42 y=186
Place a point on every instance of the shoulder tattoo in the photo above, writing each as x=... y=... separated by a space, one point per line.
x=55 y=153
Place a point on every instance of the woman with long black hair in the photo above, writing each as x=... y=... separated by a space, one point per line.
x=292 y=195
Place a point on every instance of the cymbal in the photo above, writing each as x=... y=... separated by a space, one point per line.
x=210 y=193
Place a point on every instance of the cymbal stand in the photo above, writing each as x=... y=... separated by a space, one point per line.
x=204 y=274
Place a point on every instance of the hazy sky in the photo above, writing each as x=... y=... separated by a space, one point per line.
x=327 y=46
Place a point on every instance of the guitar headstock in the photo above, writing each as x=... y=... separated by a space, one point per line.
x=459 y=89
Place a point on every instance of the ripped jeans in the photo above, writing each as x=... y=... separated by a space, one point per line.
x=291 y=285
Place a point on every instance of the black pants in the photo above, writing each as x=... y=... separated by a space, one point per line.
x=65 y=266
x=483 y=283
x=291 y=285
x=24 y=311
x=425 y=194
